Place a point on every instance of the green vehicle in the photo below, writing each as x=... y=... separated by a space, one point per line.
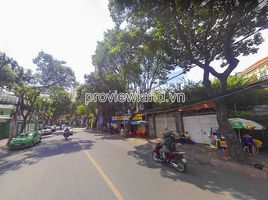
x=25 y=139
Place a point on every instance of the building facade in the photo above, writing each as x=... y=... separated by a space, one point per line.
x=257 y=71
x=197 y=119
x=5 y=111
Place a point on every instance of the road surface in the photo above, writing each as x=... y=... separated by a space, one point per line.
x=93 y=166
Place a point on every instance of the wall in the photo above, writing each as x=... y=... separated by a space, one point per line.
x=4 y=130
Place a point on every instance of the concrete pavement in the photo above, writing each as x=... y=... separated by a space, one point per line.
x=204 y=155
x=59 y=169
x=3 y=144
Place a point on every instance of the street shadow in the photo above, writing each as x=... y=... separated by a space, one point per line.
x=207 y=178
x=12 y=160
x=46 y=136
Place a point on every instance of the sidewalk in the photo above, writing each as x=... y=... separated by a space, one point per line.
x=203 y=154
x=3 y=144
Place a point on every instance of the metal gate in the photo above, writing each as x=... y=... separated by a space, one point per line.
x=199 y=127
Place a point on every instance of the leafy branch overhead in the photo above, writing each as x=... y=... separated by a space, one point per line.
x=31 y=88
x=199 y=32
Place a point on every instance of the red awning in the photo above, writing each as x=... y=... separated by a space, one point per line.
x=197 y=106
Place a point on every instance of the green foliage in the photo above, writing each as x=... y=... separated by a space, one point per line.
x=55 y=104
x=134 y=56
x=11 y=73
x=81 y=109
x=199 y=32
x=28 y=87
x=233 y=81
x=51 y=72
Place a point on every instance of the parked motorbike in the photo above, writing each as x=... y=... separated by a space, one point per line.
x=174 y=158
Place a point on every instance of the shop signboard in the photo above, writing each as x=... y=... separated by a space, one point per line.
x=125 y=118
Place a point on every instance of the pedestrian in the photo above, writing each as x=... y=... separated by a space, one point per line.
x=122 y=131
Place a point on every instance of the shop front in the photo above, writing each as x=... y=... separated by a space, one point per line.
x=139 y=127
x=5 y=118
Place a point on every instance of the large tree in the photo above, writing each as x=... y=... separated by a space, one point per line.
x=11 y=73
x=50 y=73
x=53 y=105
x=199 y=33
x=104 y=82
x=134 y=55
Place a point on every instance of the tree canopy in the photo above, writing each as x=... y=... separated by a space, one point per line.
x=199 y=32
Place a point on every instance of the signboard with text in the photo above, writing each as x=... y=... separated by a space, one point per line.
x=123 y=118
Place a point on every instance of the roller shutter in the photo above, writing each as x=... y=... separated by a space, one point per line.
x=199 y=127
x=163 y=121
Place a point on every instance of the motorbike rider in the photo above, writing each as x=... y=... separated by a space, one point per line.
x=66 y=131
x=169 y=143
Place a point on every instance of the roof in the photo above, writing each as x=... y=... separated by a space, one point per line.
x=254 y=66
x=206 y=104
x=198 y=106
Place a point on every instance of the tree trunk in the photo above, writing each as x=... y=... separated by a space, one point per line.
x=235 y=148
x=12 y=127
x=23 y=125
x=26 y=119
x=13 y=123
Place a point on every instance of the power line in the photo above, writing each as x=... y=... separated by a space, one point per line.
x=183 y=72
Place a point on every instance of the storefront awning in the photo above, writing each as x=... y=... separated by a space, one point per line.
x=132 y=122
x=197 y=106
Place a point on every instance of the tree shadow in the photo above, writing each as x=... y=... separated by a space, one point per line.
x=207 y=178
x=12 y=160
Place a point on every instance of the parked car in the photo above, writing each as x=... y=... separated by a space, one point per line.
x=25 y=139
x=58 y=128
x=53 y=128
x=46 y=130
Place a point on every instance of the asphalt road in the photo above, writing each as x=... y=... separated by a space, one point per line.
x=92 y=166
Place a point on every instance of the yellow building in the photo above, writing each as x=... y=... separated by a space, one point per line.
x=257 y=71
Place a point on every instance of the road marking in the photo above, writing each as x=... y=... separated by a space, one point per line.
x=104 y=176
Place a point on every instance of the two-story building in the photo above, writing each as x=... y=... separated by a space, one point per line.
x=5 y=111
x=7 y=105
x=257 y=71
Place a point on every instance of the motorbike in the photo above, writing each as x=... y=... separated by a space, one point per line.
x=66 y=134
x=173 y=158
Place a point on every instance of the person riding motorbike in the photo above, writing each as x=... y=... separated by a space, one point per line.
x=169 y=143
x=66 y=132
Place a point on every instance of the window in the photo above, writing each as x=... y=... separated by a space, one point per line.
x=263 y=74
x=1 y=112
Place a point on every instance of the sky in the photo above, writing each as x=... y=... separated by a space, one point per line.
x=69 y=31
x=66 y=29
